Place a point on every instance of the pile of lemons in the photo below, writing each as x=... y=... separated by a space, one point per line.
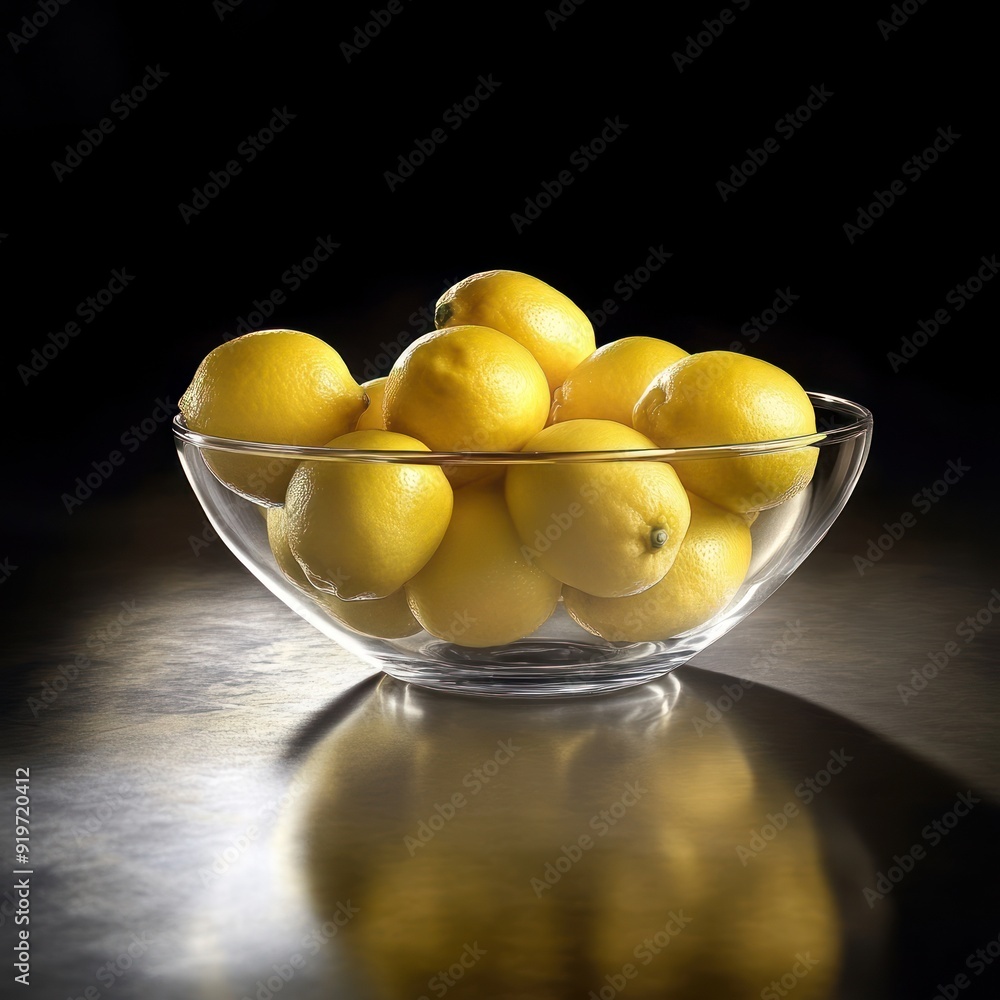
x=481 y=554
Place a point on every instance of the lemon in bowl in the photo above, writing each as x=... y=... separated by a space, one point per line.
x=281 y=386
x=491 y=618
x=512 y=510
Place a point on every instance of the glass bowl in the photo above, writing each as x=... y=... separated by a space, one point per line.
x=561 y=657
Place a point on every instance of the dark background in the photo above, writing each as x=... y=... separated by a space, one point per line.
x=205 y=629
x=227 y=66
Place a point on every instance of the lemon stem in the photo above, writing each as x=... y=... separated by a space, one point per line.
x=442 y=314
x=658 y=538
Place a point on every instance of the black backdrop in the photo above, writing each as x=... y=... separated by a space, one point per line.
x=683 y=97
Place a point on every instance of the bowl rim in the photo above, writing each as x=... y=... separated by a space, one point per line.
x=860 y=423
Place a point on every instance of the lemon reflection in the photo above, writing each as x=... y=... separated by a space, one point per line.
x=567 y=849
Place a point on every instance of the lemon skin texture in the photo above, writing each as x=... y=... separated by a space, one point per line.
x=609 y=528
x=385 y=618
x=362 y=529
x=479 y=588
x=710 y=567
x=466 y=388
x=607 y=384
x=274 y=386
x=723 y=398
x=548 y=323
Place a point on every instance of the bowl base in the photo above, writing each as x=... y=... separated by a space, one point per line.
x=536 y=667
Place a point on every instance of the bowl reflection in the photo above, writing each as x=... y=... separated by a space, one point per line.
x=563 y=849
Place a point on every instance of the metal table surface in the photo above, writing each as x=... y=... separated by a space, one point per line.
x=224 y=805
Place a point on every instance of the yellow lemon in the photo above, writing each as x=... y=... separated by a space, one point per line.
x=710 y=566
x=276 y=386
x=371 y=418
x=607 y=528
x=480 y=588
x=277 y=537
x=467 y=388
x=362 y=529
x=386 y=618
x=608 y=384
x=723 y=397
x=548 y=323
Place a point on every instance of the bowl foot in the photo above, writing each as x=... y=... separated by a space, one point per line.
x=535 y=667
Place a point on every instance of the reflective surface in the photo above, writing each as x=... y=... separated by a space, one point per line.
x=224 y=806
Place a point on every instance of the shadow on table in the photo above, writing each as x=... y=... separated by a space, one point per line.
x=696 y=836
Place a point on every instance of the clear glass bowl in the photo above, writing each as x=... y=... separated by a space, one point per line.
x=561 y=657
